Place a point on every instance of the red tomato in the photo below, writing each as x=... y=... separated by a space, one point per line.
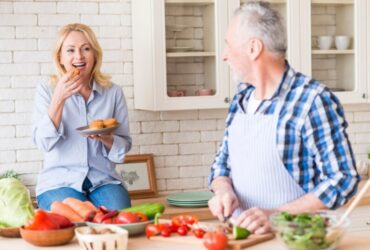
x=215 y=241
x=199 y=233
x=126 y=218
x=182 y=230
x=166 y=232
x=41 y=221
x=184 y=220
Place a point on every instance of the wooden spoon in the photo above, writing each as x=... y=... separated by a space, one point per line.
x=335 y=232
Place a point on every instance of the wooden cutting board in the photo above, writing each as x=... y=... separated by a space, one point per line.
x=232 y=244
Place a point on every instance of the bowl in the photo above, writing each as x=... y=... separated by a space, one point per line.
x=97 y=238
x=309 y=231
x=132 y=228
x=54 y=237
x=10 y=232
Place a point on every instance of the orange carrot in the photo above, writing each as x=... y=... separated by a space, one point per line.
x=81 y=208
x=60 y=208
x=91 y=206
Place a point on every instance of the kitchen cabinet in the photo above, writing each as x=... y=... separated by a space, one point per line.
x=178 y=44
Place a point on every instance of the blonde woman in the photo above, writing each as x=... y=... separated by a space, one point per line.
x=77 y=166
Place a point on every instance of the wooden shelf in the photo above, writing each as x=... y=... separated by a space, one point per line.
x=332 y=52
x=190 y=54
x=338 y=2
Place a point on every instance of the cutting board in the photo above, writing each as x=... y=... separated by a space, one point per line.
x=232 y=244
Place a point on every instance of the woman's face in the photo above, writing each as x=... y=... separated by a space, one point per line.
x=77 y=52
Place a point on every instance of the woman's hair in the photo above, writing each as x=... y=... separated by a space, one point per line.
x=258 y=19
x=96 y=74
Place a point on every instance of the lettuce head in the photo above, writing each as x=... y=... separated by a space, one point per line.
x=15 y=203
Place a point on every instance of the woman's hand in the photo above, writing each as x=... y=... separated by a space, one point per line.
x=106 y=139
x=67 y=86
x=255 y=220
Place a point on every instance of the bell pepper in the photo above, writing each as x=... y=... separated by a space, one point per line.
x=41 y=221
x=156 y=228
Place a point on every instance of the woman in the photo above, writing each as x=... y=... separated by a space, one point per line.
x=77 y=166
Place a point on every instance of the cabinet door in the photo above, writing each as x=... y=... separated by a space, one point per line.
x=179 y=45
x=333 y=45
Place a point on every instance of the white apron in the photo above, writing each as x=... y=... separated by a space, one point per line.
x=259 y=177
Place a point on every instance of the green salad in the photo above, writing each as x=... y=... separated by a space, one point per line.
x=302 y=231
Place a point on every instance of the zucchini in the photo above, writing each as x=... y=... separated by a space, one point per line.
x=149 y=209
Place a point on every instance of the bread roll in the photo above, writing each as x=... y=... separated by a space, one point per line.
x=97 y=124
x=75 y=72
x=111 y=122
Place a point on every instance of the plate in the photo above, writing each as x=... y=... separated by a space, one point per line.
x=132 y=228
x=86 y=131
x=178 y=49
x=10 y=232
x=189 y=205
x=190 y=196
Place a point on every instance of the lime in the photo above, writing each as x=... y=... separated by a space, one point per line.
x=240 y=233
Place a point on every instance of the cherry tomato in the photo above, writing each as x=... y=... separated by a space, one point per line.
x=199 y=233
x=166 y=232
x=215 y=241
x=184 y=220
x=182 y=230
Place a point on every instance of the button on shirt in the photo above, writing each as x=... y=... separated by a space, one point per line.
x=70 y=157
x=311 y=138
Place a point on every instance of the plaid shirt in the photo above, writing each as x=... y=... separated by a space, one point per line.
x=311 y=138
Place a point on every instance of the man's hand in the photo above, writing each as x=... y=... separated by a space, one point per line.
x=255 y=220
x=223 y=204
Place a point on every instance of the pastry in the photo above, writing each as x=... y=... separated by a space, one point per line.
x=97 y=124
x=75 y=72
x=111 y=122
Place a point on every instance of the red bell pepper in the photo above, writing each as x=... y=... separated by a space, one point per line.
x=156 y=228
x=41 y=221
x=60 y=220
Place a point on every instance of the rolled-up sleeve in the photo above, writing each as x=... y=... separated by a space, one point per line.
x=44 y=133
x=330 y=146
x=121 y=139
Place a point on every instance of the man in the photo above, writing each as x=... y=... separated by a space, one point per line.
x=285 y=147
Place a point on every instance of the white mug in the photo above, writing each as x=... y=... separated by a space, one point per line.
x=342 y=42
x=324 y=42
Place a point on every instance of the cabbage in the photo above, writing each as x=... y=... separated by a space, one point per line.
x=15 y=203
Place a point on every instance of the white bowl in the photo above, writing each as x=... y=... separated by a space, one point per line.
x=112 y=241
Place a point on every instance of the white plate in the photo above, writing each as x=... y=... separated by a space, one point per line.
x=178 y=49
x=132 y=228
x=86 y=131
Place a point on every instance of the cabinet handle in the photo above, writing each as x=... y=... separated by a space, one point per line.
x=227 y=100
x=364 y=95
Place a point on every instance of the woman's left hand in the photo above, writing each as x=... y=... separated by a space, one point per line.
x=255 y=220
x=106 y=139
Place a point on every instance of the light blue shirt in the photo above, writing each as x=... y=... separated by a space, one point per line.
x=70 y=157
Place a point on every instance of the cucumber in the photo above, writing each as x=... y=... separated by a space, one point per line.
x=149 y=209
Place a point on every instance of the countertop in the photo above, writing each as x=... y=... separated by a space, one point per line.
x=357 y=238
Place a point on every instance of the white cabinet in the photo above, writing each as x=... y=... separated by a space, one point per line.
x=177 y=49
x=178 y=44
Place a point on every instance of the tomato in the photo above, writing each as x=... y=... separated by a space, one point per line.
x=60 y=220
x=184 y=220
x=199 y=233
x=166 y=232
x=182 y=230
x=41 y=221
x=215 y=241
x=126 y=218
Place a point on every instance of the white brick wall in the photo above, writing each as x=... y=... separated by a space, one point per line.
x=183 y=142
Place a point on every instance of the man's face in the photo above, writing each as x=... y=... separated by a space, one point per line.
x=235 y=53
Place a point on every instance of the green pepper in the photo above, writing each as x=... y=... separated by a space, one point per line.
x=149 y=209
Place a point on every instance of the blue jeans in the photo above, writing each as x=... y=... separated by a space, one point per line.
x=112 y=196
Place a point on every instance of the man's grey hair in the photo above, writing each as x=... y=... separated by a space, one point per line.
x=258 y=19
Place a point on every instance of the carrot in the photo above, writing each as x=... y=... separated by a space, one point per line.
x=81 y=208
x=91 y=206
x=60 y=208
